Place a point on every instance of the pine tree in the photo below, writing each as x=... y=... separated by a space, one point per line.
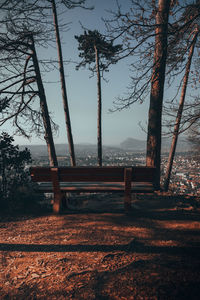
x=98 y=53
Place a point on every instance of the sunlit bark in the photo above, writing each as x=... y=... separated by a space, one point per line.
x=63 y=87
x=179 y=115
x=157 y=89
x=44 y=110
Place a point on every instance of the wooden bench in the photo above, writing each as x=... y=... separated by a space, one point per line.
x=62 y=180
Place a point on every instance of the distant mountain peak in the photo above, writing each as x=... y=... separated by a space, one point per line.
x=133 y=144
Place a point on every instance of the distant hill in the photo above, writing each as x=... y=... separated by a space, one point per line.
x=133 y=144
x=140 y=145
x=129 y=144
x=62 y=149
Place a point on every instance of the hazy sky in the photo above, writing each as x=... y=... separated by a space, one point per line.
x=82 y=90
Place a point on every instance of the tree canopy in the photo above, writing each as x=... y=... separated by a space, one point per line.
x=94 y=39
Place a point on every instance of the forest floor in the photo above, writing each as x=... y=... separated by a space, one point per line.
x=96 y=251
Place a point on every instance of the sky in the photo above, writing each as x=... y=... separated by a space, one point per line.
x=82 y=89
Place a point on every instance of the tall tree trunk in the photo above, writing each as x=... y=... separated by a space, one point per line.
x=179 y=115
x=153 y=157
x=99 y=113
x=44 y=110
x=63 y=87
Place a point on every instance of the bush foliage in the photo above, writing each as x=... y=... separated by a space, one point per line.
x=16 y=189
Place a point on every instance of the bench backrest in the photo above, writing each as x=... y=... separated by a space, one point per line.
x=92 y=174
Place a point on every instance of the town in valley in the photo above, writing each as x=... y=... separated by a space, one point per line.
x=185 y=177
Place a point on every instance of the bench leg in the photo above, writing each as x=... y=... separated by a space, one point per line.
x=127 y=202
x=57 y=205
x=127 y=190
x=64 y=200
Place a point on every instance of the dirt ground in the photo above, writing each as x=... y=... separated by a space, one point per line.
x=96 y=251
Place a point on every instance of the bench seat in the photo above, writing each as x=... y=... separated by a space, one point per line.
x=137 y=187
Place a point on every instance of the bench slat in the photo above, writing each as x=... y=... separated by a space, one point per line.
x=96 y=187
x=93 y=174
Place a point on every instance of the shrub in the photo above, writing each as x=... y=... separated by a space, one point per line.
x=16 y=189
